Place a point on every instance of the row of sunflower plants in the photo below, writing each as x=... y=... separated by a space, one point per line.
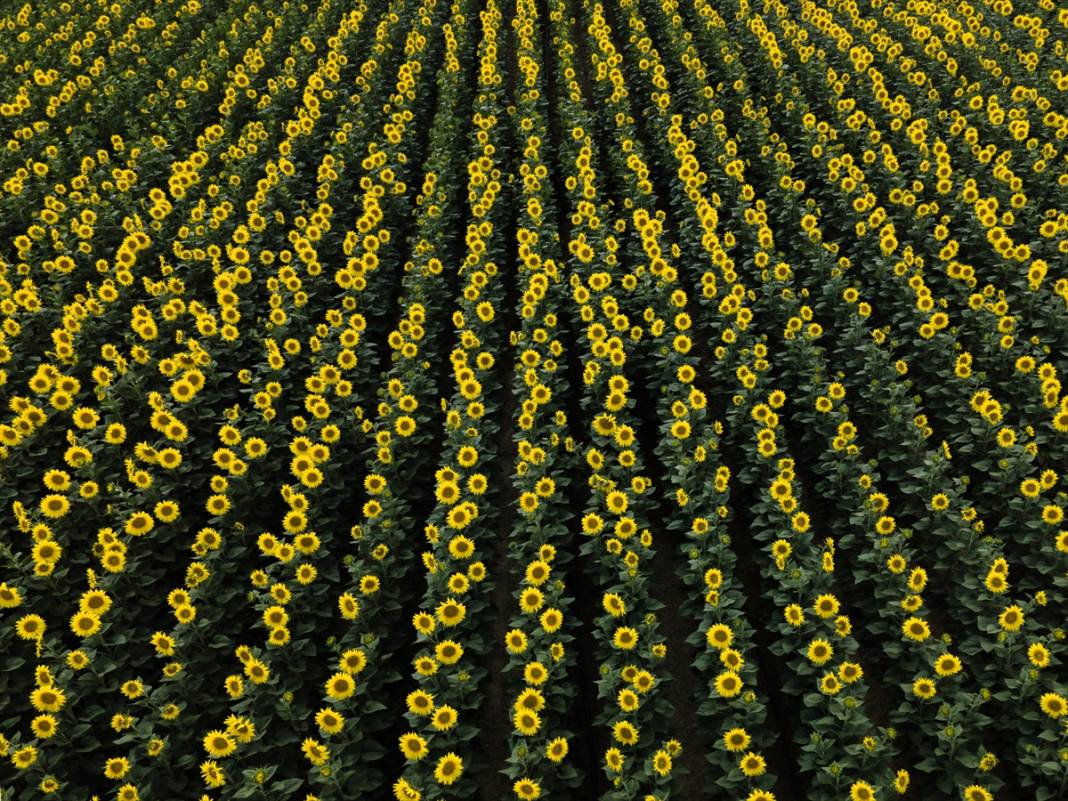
x=1012 y=611
x=777 y=281
x=67 y=64
x=402 y=446
x=448 y=669
x=978 y=226
x=631 y=649
x=1005 y=458
x=722 y=634
x=835 y=771
x=941 y=317
x=619 y=544
x=889 y=574
x=128 y=176
x=115 y=434
x=992 y=229
x=346 y=354
x=541 y=628
x=216 y=504
x=993 y=626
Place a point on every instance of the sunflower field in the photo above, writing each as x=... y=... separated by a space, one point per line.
x=533 y=399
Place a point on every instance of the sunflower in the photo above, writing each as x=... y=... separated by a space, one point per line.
x=662 y=763
x=924 y=688
x=444 y=718
x=1030 y=488
x=448 y=652
x=1052 y=514
x=461 y=547
x=449 y=768
x=24 y=757
x=340 y=686
x=241 y=728
x=459 y=583
x=551 y=620
x=54 y=506
x=625 y=638
x=527 y=722
x=719 y=636
x=530 y=699
x=459 y=517
x=556 y=749
x=728 y=684
x=235 y=686
x=826 y=606
x=736 y=740
x=829 y=684
x=916 y=629
x=592 y=523
x=116 y=767
x=794 y=615
x=329 y=721
x=515 y=641
x=616 y=502
x=901 y=781
x=219 y=744
x=420 y=702
x=820 y=652
x=995 y=582
x=185 y=613
x=1054 y=705
x=9 y=597
x=752 y=764
x=369 y=584
x=527 y=789
x=534 y=673
x=625 y=732
x=44 y=726
x=48 y=699
x=349 y=606
x=30 y=627
x=451 y=612
x=275 y=616
x=1038 y=655
x=447 y=492
x=132 y=688
x=316 y=752
x=628 y=700
x=163 y=643
x=412 y=746
x=911 y=603
x=947 y=665
x=1012 y=618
